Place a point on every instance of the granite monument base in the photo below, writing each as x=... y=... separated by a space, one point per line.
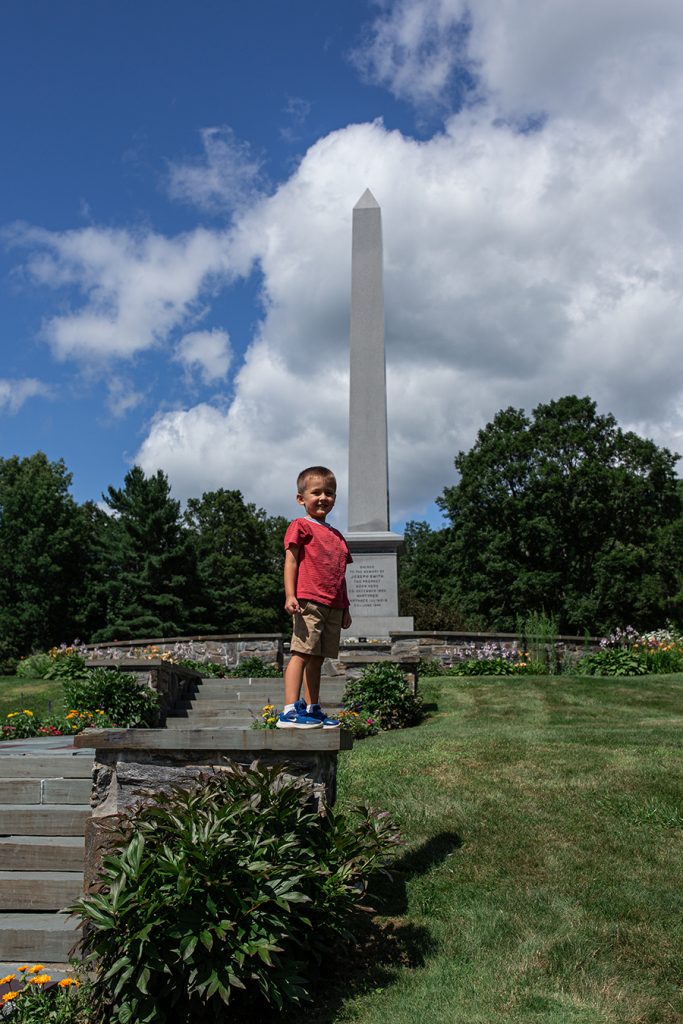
x=372 y=581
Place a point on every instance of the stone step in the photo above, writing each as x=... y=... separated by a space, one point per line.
x=250 y=680
x=44 y=791
x=272 y=695
x=38 y=937
x=39 y=890
x=43 y=819
x=42 y=853
x=46 y=766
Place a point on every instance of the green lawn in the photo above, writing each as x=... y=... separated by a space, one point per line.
x=542 y=880
x=35 y=694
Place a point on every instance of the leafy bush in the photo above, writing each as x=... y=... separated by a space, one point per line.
x=229 y=893
x=20 y=725
x=623 y=661
x=359 y=723
x=118 y=694
x=65 y=663
x=252 y=667
x=207 y=668
x=488 y=667
x=383 y=694
x=36 y=666
x=431 y=668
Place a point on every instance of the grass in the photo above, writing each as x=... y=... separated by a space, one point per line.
x=36 y=694
x=541 y=878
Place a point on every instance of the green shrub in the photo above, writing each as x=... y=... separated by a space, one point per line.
x=65 y=663
x=252 y=667
x=36 y=666
x=118 y=694
x=430 y=668
x=384 y=695
x=229 y=893
x=360 y=723
x=207 y=668
x=487 y=667
x=619 y=661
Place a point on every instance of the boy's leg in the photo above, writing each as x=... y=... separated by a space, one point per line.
x=294 y=674
x=312 y=672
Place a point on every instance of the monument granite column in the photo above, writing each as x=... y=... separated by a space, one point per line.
x=373 y=576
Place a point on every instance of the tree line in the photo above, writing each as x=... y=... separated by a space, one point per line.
x=562 y=512
x=139 y=567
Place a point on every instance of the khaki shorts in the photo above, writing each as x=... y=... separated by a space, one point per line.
x=316 y=630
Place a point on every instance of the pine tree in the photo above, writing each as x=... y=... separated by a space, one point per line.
x=41 y=555
x=150 y=584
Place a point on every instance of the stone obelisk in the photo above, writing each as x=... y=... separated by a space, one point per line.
x=373 y=577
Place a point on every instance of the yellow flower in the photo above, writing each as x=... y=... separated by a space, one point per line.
x=65 y=982
x=27 y=712
x=35 y=969
x=13 y=714
x=7 y=979
x=8 y=996
x=271 y=719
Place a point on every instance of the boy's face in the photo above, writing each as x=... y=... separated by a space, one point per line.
x=318 y=497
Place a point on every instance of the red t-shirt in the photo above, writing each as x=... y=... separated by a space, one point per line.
x=323 y=556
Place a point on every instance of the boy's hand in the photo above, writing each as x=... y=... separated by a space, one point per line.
x=292 y=606
x=346 y=619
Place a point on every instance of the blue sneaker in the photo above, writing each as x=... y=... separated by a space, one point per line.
x=297 y=719
x=319 y=715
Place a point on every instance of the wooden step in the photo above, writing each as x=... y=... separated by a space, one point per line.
x=38 y=853
x=39 y=890
x=37 y=937
x=45 y=791
x=209 y=721
x=46 y=766
x=43 y=819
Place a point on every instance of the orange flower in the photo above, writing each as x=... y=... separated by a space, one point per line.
x=9 y=996
x=6 y=980
x=65 y=982
x=40 y=979
x=35 y=969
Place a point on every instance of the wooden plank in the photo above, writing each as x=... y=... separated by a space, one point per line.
x=28 y=766
x=43 y=819
x=67 y=791
x=39 y=890
x=38 y=938
x=42 y=853
x=299 y=740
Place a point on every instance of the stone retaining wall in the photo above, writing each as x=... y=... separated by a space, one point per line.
x=450 y=648
x=226 y=649
x=138 y=766
x=173 y=683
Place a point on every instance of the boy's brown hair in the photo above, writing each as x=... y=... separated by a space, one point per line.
x=305 y=475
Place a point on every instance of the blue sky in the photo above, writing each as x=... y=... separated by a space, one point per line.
x=175 y=216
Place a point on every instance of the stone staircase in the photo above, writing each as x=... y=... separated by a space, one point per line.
x=45 y=801
x=235 y=703
x=44 y=804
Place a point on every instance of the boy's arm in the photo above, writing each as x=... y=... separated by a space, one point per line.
x=291 y=567
x=346 y=614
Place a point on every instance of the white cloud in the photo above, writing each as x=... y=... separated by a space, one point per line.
x=518 y=267
x=207 y=351
x=526 y=57
x=136 y=287
x=229 y=175
x=122 y=396
x=13 y=393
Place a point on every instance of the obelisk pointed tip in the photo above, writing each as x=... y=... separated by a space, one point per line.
x=367 y=202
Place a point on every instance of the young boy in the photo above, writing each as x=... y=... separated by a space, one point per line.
x=316 y=556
